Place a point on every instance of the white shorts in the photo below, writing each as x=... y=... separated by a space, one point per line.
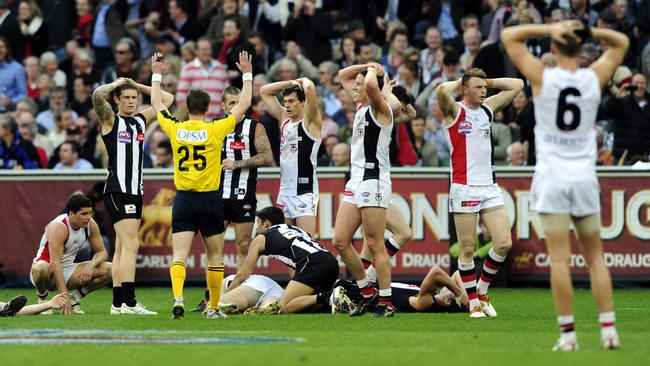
x=297 y=206
x=368 y=193
x=471 y=199
x=68 y=270
x=265 y=285
x=578 y=199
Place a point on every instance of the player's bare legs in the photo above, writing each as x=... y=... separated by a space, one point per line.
x=466 y=233
x=591 y=245
x=101 y=277
x=374 y=224
x=497 y=222
x=44 y=280
x=127 y=233
x=242 y=297
x=115 y=272
x=214 y=270
x=307 y=223
x=348 y=220
x=297 y=297
x=243 y=232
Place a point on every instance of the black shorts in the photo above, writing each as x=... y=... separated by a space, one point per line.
x=198 y=211
x=122 y=206
x=239 y=210
x=319 y=271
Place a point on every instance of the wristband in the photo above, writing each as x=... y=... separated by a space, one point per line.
x=247 y=76
x=156 y=78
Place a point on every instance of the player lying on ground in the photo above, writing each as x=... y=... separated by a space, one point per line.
x=314 y=268
x=16 y=306
x=54 y=266
x=256 y=295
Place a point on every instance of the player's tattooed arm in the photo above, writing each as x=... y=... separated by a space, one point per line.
x=103 y=107
x=264 y=156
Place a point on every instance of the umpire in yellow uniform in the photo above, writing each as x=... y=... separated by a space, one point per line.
x=196 y=145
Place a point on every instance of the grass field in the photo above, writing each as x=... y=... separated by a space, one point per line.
x=523 y=334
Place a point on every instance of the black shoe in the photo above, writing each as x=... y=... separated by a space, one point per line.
x=363 y=304
x=13 y=306
x=178 y=310
x=200 y=308
x=384 y=311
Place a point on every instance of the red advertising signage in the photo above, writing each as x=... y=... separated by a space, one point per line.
x=29 y=203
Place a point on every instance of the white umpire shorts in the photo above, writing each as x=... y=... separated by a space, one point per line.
x=578 y=199
x=368 y=193
x=297 y=206
x=470 y=199
x=68 y=270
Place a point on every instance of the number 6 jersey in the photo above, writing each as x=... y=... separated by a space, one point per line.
x=565 y=114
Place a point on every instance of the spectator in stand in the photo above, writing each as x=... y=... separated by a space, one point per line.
x=64 y=121
x=28 y=122
x=408 y=76
x=450 y=71
x=588 y=54
x=15 y=153
x=125 y=55
x=581 y=10
x=365 y=52
x=325 y=155
x=229 y=10
x=170 y=85
x=326 y=89
x=348 y=57
x=447 y=14
x=258 y=81
x=79 y=133
x=265 y=54
x=59 y=18
x=164 y=157
x=492 y=7
x=605 y=154
x=10 y=29
x=385 y=12
x=329 y=126
x=108 y=29
x=395 y=56
x=501 y=138
x=430 y=68
x=58 y=100
x=470 y=21
x=82 y=90
x=32 y=72
x=507 y=14
x=155 y=138
x=341 y=155
x=83 y=63
x=426 y=150
x=183 y=25
x=516 y=154
x=188 y=52
x=69 y=158
x=50 y=65
x=13 y=86
x=520 y=118
x=310 y=27
x=28 y=132
x=293 y=65
x=229 y=48
x=34 y=33
x=264 y=17
x=85 y=19
x=472 y=42
x=204 y=73
x=629 y=112
x=347 y=106
x=26 y=105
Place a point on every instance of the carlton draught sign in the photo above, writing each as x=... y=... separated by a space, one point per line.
x=31 y=201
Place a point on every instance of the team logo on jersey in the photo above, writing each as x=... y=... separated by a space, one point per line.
x=470 y=203
x=302 y=205
x=129 y=209
x=464 y=127
x=378 y=196
x=303 y=180
x=237 y=145
x=124 y=137
x=293 y=148
x=239 y=191
x=140 y=137
x=365 y=194
x=360 y=132
x=486 y=134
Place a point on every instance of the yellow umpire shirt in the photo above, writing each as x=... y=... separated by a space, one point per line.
x=197 y=150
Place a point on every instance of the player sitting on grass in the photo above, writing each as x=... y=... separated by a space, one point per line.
x=16 y=306
x=257 y=295
x=314 y=269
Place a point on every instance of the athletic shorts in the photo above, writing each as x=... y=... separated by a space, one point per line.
x=68 y=270
x=198 y=211
x=368 y=193
x=552 y=196
x=318 y=271
x=471 y=199
x=297 y=206
x=265 y=285
x=122 y=206
x=239 y=210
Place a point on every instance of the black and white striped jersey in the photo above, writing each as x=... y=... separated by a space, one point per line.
x=370 y=144
x=125 y=147
x=290 y=244
x=298 y=155
x=239 y=184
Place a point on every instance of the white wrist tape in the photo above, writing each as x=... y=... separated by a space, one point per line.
x=247 y=76
x=156 y=78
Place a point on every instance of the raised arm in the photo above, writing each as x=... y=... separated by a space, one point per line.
x=387 y=91
x=513 y=39
x=376 y=100
x=245 y=66
x=612 y=57
x=348 y=75
x=249 y=263
x=103 y=107
x=264 y=156
x=446 y=101
x=312 y=112
x=509 y=87
x=160 y=100
x=269 y=94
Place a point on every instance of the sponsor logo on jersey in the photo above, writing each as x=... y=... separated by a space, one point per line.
x=464 y=127
x=470 y=203
x=237 y=145
x=140 y=137
x=369 y=165
x=240 y=191
x=348 y=193
x=192 y=136
x=303 y=180
x=124 y=137
x=302 y=205
x=129 y=209
x=486 y=134
x=360 y=132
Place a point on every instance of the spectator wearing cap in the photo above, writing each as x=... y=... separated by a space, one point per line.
x=10 y=28
x=430 y=68
x=15 y=152
x=13 y=86
x=69 y=157
x=108 y=29
x=310 y=27
x=124 y=56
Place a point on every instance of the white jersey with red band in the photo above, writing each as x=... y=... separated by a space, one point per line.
x=298 y=155
x=565 y=114
x=370 y=145
x=470 y=142
x=73 y=243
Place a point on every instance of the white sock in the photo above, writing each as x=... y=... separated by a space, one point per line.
x=607 y=323
x=567 y=326
x=364 y=282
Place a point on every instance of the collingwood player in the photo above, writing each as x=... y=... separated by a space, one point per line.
x=301 y=128
x=244 y=150
x=565 y=186
x=123 y=134
x=473 y=188
x=198 y=206
x=314 y=268
x=367 y=193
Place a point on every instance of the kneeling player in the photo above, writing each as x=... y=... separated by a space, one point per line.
x=314 y=269
x=257 y=295
x=16 y=306
x=54 y=267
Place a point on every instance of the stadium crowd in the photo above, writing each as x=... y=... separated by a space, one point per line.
x=53 y=54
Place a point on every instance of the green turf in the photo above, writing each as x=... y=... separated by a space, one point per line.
x=522 y=335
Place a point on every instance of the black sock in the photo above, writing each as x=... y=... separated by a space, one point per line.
x=323 y=298
x=207 y=294
x=128 y=293
x=118 y=298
